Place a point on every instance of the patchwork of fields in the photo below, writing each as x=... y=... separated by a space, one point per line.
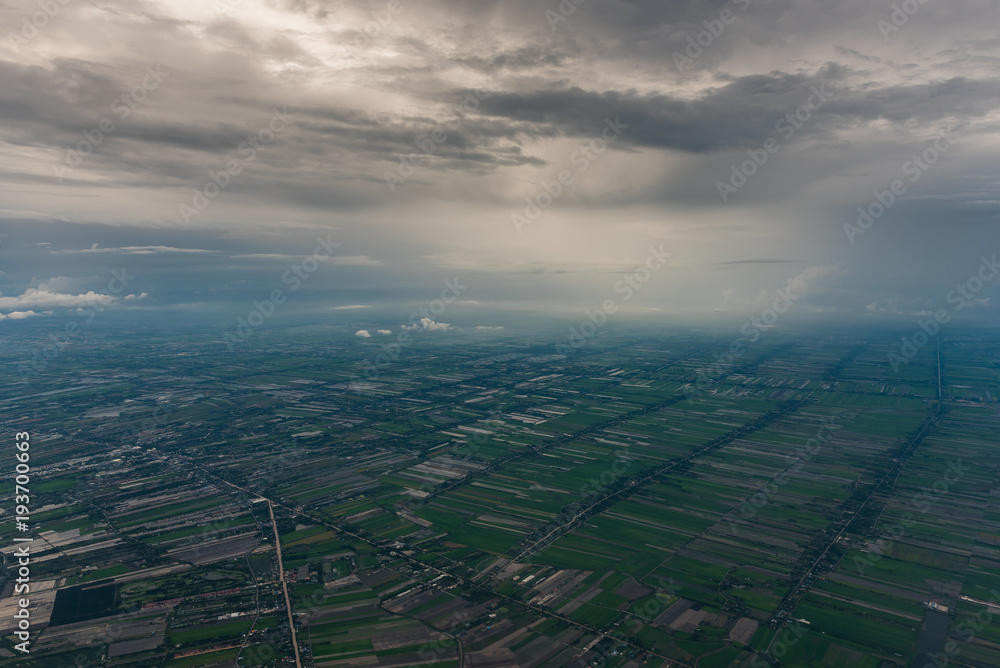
x=492 y=504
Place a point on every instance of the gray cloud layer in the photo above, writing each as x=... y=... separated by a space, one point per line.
x=114 y=116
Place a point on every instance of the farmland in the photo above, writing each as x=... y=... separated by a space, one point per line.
x=491 y=503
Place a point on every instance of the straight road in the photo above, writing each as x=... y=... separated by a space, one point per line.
x=284 y=585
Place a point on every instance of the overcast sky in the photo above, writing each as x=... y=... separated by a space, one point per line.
x=115 y=115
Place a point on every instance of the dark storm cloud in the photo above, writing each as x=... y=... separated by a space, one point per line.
x=54 y=107
x=367 y=89
x=742 y=113
x=51 y=106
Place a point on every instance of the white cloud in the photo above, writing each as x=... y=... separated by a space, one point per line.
x=42 y=297
x=363 y=333
x=880 y=306
x=348 y=307
x=266 y=256
x=429 y=325
x=18 y=315
x=137 y=250
x=46 y=295
x=484 y=328
x=979 y=302
x=385 y=332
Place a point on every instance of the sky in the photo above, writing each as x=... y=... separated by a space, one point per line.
x=535 y=153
